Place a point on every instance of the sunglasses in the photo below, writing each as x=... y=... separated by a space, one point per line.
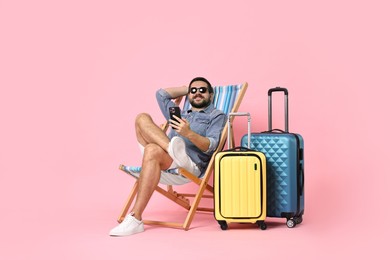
x=193 y=90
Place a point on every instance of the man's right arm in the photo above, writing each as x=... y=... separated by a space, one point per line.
x=177 y=92
x=165 y=96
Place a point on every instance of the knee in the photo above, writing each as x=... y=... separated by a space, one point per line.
x=153 y=152
x=142 y=118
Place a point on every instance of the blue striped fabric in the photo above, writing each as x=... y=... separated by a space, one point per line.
x=137 y=169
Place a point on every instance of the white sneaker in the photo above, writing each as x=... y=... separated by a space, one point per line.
x=129 y=226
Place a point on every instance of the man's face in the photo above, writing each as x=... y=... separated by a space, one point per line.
x=199 y=95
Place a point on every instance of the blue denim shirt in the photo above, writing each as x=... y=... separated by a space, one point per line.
x=208 y=123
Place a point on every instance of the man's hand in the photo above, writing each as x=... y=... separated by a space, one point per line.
x=180 y=125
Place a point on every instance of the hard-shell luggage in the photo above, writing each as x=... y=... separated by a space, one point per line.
x=285 y=166
x=240 y=184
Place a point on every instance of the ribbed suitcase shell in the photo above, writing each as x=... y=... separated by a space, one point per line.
x=285 y=164
x=239 y=186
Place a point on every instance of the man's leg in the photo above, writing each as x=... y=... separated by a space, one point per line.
x=148 y=132
x=154 y=160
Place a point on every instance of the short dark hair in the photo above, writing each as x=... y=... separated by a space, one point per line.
x=209 y=87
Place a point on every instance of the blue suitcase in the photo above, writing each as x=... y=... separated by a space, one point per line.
x=285 y=166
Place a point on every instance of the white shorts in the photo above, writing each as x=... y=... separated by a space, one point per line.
x=170 y=176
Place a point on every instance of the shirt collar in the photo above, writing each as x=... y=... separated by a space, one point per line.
x=207 y=110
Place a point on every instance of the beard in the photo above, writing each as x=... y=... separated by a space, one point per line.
x=204 y=103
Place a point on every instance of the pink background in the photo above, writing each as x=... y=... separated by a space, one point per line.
x=74 y=74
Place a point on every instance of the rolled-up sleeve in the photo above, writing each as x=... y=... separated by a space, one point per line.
x=215 y=131
x=164 y=101
x=212 y=146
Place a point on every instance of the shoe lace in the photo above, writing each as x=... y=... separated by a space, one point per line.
x=129 y=218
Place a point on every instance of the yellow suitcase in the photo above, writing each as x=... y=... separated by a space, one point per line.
x=240 y=185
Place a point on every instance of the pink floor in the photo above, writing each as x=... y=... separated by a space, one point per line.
x=80 y=231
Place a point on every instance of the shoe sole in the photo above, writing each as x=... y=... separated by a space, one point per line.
x=125 y=234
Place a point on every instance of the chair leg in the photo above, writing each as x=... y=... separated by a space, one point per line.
x=195 y=204
x=128 y=203
x=175 y=197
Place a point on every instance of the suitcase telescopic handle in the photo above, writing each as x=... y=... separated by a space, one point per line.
x=270 y=91
x=230 y=120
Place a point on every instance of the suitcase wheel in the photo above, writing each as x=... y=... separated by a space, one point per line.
x=298 y=220
x=262 y=225
x=223 y=224
x=291 y=223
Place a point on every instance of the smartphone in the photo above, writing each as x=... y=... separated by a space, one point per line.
x=174 y=111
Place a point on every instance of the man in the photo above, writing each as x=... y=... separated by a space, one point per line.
x=190 y=144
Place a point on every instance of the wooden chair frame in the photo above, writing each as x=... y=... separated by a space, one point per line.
x=183 y=199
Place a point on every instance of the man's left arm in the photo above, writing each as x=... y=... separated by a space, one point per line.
x=202 y=142
x=214 y=132
x=207 y=143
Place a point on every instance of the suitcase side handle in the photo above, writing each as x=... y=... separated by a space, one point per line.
x=230 y=120
x=240 y=149
x=302 y=181
x=270 y=91
x=275 y=131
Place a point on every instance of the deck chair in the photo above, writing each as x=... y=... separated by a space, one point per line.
x=227 y=99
